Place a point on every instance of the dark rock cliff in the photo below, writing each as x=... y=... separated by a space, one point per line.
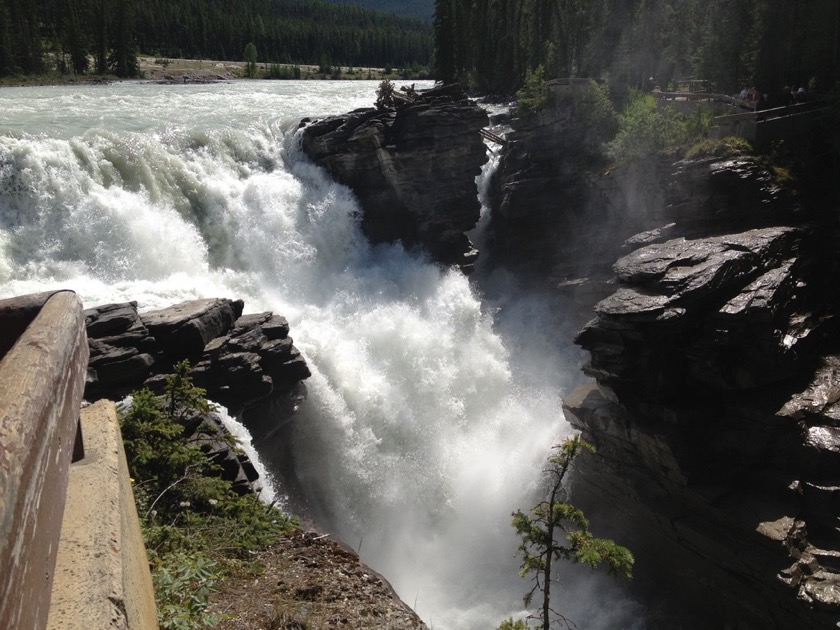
x=413 y=168
x=248 y=363
x=714 y=351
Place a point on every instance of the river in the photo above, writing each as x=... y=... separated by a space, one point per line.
x=431 y=407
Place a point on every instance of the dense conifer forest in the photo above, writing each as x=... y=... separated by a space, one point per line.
x=423 y=9
x=491 y=44
x=104 y=36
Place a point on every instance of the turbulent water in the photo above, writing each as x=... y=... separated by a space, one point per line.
x=431 y=406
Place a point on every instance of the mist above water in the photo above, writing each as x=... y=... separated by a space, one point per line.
x=431 y=407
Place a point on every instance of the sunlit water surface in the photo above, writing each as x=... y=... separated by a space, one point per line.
x=430 y=410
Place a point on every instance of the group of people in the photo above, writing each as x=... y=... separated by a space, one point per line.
x=794 y=95
x=791 y=95
x=757 y=100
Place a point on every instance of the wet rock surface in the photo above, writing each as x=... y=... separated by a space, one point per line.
x=413 y=168
x=714 y=415
x=245 y=362
x=715 y=406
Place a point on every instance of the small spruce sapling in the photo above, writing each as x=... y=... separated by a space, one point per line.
x=556 y=530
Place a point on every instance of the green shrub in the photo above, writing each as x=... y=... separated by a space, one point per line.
x=533 y=95
x=594 y=114
x=643 y=129
x=182 y=590
x=729 y=146
x=194 y=525
x=280 y=72
x=510 y=624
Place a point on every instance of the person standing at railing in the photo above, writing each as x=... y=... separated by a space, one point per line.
x=760 y=104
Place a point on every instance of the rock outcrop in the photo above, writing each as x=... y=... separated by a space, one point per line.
x=715 y=352
x=413 y=168
x=711 y=441
x=248 y=363
x=239 y=359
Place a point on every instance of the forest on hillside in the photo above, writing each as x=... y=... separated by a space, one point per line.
x=104 y=36
x=490 y=45
x=423 y=9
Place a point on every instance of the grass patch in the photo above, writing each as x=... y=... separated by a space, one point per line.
x=196 y=528
x=730 y=146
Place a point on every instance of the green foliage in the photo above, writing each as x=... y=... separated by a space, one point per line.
x=36 y=37
x=533 y=95
x=729 y=146
x=250 y=58
x=644 y=129
x=510 y=624
x=194 y=525
x=727 y=43
x=182 y=591
x=594 y=114
x=276 y=71
x=556 y=530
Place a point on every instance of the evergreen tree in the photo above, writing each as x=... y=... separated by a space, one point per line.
x=555 y=529
x=101 y=37
x=123 y=57
x=445 y=41
x=7 y=60
x=75 y=41
x=250 y=56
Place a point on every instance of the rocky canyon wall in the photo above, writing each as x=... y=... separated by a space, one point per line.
x=713 y=354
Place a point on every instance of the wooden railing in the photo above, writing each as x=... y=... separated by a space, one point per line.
x=492 y=137
x=764 y=127
x=44 y=353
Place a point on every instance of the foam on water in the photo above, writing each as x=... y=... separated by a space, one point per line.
x=430 y=411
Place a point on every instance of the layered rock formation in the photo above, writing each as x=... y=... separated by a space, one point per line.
x=412 y=166
x=240 y=360
x=714 y=352
x=248 y=363
x=705 y=438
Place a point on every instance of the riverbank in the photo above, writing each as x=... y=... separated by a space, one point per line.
x=180 y=71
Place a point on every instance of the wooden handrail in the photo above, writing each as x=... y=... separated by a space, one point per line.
x=42 y=376
x=489 y=135
x=774 y=112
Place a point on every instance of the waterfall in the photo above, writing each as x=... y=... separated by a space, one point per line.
x=432 y=405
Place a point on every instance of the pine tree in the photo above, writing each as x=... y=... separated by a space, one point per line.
x=555 y=529
x=123 y=58
x=7 y=59
x=250 y=56
x=445 y=69
x=75 y=41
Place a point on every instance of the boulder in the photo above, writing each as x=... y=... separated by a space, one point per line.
x=184 y=329
x=238 y=359
x=412 y=166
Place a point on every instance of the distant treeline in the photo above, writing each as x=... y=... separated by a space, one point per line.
x=491 y=44
x=81 y=36
x=423 y=9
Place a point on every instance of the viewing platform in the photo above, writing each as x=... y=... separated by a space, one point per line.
x=71 y=549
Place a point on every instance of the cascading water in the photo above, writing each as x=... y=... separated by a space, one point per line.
x=430 y=412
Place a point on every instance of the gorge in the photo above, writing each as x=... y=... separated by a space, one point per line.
x=433 y=397
x=423 y=427
x=712 y=406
